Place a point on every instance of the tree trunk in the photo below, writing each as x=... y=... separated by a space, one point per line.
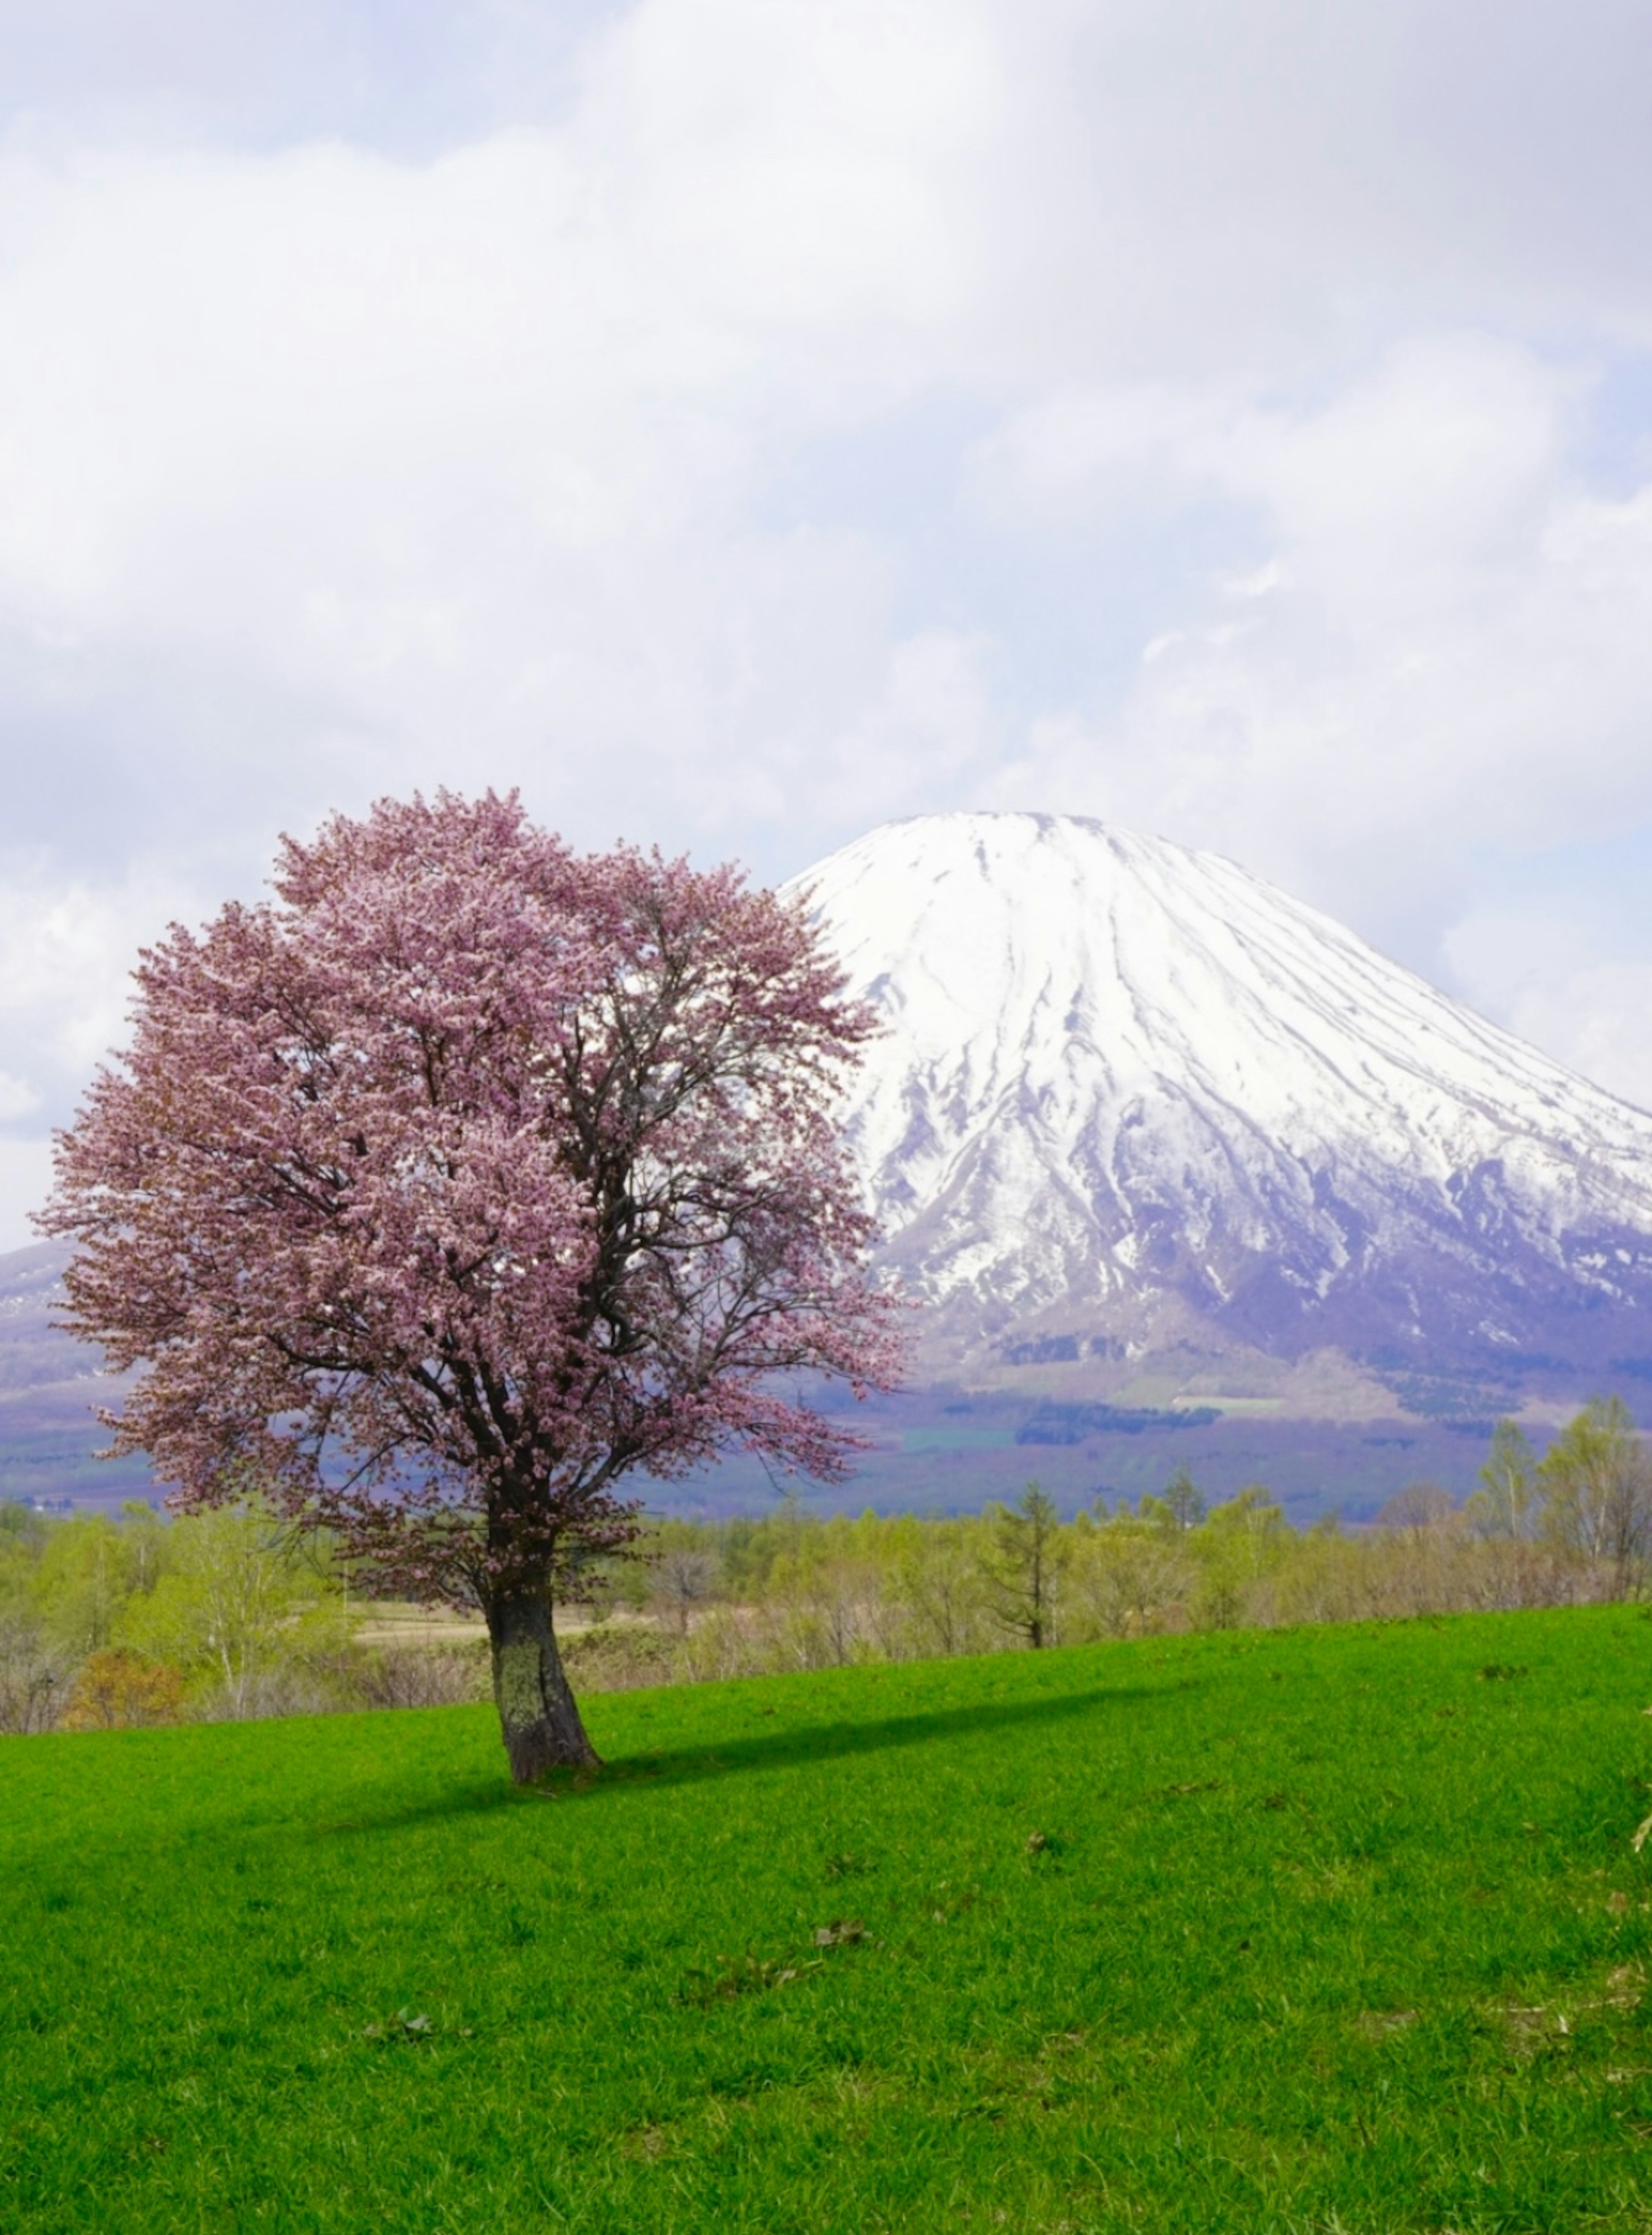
x=538 y=1719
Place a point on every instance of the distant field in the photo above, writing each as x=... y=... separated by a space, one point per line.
x=933 y=1452
x=922 y=1461
x=1336 y=1930
x=399 y=1623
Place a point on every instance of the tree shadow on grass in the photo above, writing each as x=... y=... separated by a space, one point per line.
x=783 y=1748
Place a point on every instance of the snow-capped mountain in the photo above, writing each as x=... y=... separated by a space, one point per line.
x=1131 y=1095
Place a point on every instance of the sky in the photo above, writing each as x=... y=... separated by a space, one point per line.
x=737 y=423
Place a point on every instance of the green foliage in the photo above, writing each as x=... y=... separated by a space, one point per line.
x=88 y=1572
x=241 y=1608
x=251 y=1622
x=1259 y=1933
x=1505 y=1503
x=19 y=1524
x=789 y=1590
x=1129 y=1577
x=119 y=1691
x=1598 y=1501
x=1239 y=1545
x=1023 y=1566
x=1183 y=1505
x=939 y=1577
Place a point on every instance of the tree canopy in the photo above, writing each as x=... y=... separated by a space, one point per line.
x=462 y=1181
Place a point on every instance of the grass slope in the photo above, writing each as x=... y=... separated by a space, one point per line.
x=1322 y=1931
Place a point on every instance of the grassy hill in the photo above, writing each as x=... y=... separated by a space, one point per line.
x=1330 y=1931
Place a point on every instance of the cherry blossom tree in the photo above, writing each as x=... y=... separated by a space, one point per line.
x=463 y=1181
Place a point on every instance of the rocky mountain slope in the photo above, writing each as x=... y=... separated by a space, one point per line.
x=1132 y=1099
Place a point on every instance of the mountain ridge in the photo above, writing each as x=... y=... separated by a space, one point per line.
x=1133 y=1096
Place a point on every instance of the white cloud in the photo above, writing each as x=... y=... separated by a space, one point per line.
x=17 y=1098
x=451 y=468
x=1277 y=336
x=25 y=1180
x=1448 y=647
x=1533 y=970
x=66 y=951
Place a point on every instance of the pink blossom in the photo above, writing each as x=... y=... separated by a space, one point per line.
x=465 y=1179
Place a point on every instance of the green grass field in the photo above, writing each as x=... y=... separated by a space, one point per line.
x=1331 y=1930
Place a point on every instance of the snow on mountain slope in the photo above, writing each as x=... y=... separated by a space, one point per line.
x=1132 y=1091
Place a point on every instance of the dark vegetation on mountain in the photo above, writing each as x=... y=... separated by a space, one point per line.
x=1052 y=1423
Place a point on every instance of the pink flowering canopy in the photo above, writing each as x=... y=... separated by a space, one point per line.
x=467 y=1177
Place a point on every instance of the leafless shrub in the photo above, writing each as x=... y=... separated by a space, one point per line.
x=1131 y=1579
x=618 y=1657
x=424 y=1676
x=34 y=1679
x=294 y=1687
x=684 y=1580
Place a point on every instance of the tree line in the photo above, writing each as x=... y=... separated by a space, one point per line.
x=750 y=1597
x=110 y=1621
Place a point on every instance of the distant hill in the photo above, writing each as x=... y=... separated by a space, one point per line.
x=49 y=1387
